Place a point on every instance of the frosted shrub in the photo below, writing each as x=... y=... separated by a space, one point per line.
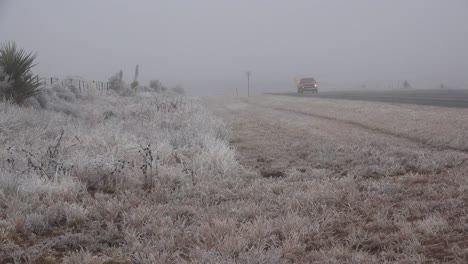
x=65 y=93
x=178 y=89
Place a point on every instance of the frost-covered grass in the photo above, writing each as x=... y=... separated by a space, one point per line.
x=351 y=191
x=152 y=178
x=102 y=177
x=436 y=126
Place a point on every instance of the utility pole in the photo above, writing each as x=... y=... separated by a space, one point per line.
x=248 y=73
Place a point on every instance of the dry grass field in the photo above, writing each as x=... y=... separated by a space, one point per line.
x=355 y=182
x=154 y=178
x=109 y=178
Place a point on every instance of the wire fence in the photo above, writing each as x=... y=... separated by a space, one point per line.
x=79 y=83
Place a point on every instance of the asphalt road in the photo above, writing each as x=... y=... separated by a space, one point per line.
x=444 y=98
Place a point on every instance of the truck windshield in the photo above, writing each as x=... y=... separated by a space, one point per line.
x=308 y=80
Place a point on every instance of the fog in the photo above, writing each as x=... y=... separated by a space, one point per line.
x=207 y=45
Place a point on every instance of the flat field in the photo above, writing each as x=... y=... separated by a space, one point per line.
x=151 y=178
x=352 y=181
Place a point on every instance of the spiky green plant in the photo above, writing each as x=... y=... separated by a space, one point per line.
x=17 y=64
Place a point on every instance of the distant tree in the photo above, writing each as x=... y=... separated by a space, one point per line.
x=116 y=82
x=178 y=89
x=406 y=85
x=156 y=85
x=18 y=82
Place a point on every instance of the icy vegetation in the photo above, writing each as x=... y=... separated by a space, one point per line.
x=151 y=177
x=98 y=177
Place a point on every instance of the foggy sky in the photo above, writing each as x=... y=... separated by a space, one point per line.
x=206 y=45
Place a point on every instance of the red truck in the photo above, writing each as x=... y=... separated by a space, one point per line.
x=307 y=84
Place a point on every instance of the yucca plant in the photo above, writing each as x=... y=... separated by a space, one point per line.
x=17 y=65
x=4 y=81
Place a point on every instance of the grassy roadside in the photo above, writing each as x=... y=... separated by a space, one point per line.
x=436 y=126
x=98 y=178
x=348 y=193
x=153 y=179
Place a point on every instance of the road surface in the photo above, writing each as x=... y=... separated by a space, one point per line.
x=444 y=98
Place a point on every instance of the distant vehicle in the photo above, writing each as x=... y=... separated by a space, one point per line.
x=307 y=84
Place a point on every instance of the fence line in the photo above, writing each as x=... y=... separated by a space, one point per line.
x=79 y=83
